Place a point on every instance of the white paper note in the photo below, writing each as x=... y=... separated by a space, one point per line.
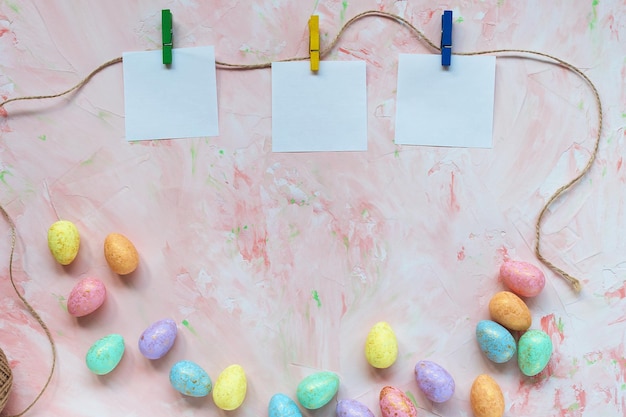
x=445 y=107
x=175 y=102
x=326 y=111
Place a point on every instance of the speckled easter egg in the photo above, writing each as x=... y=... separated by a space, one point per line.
x=534 y=352
x=104 y=355
x=352 y=408
x=120 y=254
x=495 y=341
x=381 y=346
x=283 y=406
x=434 y=381
x=86 y=297
x=522 y=278
x=230 y=388
x=158 y=339
x=316 y=390
x=190 y=379
x=63 y=241
x=486 y=397
x=395 y=403
x=510 y=311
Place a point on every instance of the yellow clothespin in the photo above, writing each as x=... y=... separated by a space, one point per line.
x=314 y=42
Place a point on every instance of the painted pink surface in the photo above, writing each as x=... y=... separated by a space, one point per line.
x=283 y=262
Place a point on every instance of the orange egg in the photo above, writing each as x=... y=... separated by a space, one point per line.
x=120 y=254
x=510 y=311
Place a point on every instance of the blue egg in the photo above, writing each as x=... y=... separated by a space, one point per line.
x=316 y=390
x=190 y=379
x=495 y=341
x=283 y=406
x=535 y=351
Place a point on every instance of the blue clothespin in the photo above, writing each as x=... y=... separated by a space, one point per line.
x=446 y=38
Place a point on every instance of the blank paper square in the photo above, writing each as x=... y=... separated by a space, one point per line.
x=323 y=111
x=438 y=106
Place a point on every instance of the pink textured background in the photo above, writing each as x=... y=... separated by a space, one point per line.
x=235 y=240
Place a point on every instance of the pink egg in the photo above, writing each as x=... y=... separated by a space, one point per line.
x=86 y=297
x=395 y=403
x=522 y=278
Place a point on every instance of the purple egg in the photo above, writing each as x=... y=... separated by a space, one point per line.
x=352 y=408
x=158 y=339
x=434 y=381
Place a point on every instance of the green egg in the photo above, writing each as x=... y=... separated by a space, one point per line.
x=104 y=355
x=533 y=352
x=316 y=390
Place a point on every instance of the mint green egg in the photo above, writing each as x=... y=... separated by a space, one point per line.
x=534 y=351
x=316 y=390
x=104 y=355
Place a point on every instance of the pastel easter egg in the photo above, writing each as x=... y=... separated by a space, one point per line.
x=381 y=346
x=316 y=390
x=486 y=397
x=63 y=241
x=510 y=311
x=104 y=355
x=283 y=406
x=495 y=341
x=522 y=278
x=352 y=408
x=120 y=254
x=395 y=403
x=86 y=297
x=190 y=379
x=435 y=382
x=230 y=388
x=158 y=339
x=534 y=352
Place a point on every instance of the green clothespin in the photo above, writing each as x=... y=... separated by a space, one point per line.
x=166 y=20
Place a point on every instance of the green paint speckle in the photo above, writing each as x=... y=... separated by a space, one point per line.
x=344 y=6
x=187 y=325
x=221 y=151
x=3 y=174
x=194 y=156
x=14 y=7
x=459 y=19
x=580 y=105
x=573 y=407
x=560 y=325
x=42 y=137
x=412 y=398
x=316 y=297
x=594 y=14
x=61 y=300
x=365 y=213
x=623 y=387
x=346 y=242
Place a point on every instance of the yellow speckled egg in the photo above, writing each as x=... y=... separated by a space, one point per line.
x=230 y=388
x=381 y=346
x=510 y=311
x=120 y=254
x=63 y=241
x=486 y=397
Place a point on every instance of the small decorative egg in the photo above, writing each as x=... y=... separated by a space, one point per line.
x=486 y=397
x=316 y=390
x=283 y=406
x=352 y=408
x=104 y=355
x=63 y=241
x=230 y=388
x=524 y=279
x=381 y=346
x=86 y=297
x=495 y=341
x=190 y=379
x=510 y=311
x=534 y=352
x=395 y=403
x=120 y=254
x=158 y=339
x=434 y=381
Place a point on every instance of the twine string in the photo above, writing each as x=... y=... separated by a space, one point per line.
x=31 y=310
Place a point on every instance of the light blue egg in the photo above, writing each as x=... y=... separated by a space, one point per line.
x=104 y=355
x=495 y=341
x=190 y=379
x=316 y=390
x=283 y=406
x=534 y=352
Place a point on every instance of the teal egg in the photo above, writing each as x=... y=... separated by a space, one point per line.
x=104 y=355
x=283 y=406
x=316 y=390
x=495 y=341
x=190 y=379
x=534 y=352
